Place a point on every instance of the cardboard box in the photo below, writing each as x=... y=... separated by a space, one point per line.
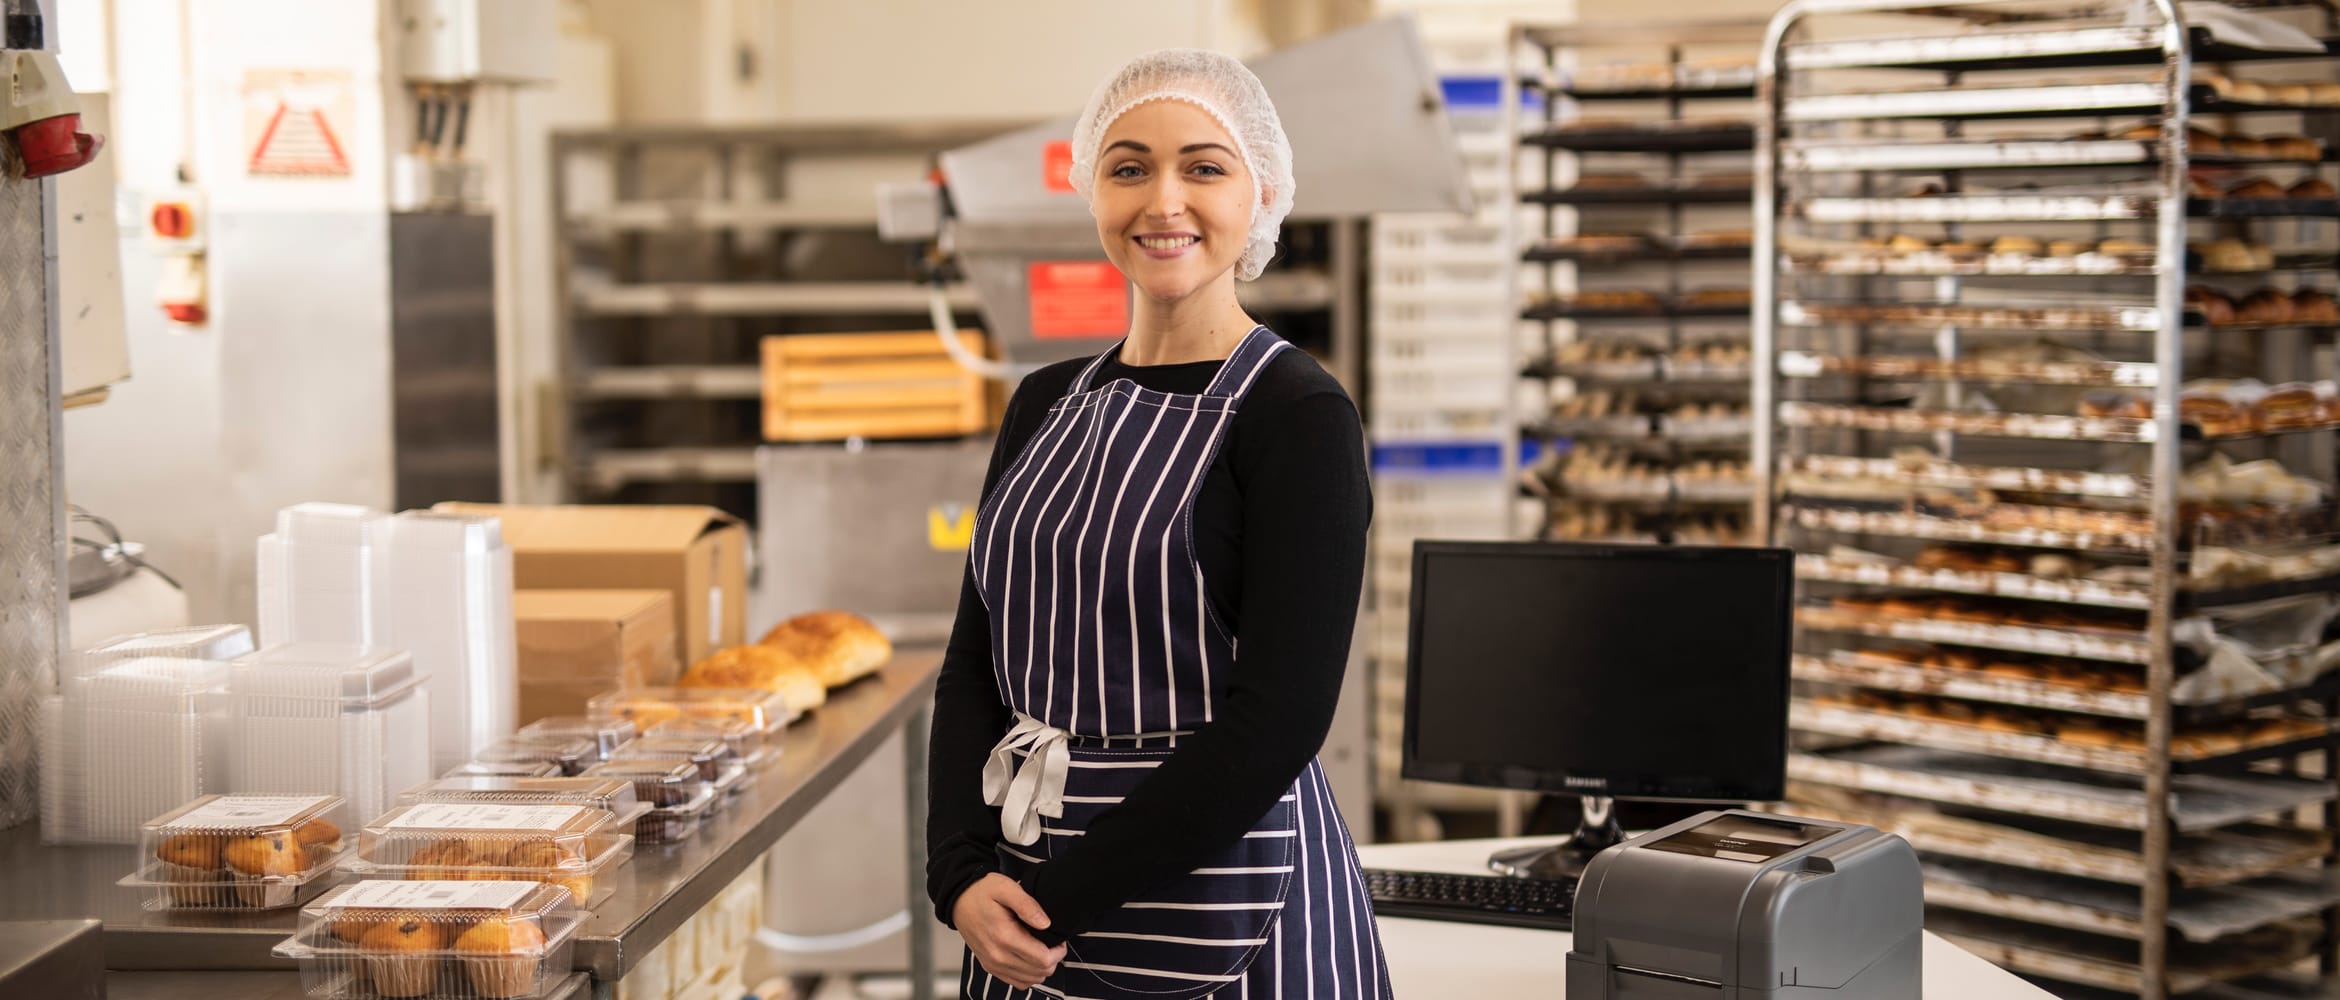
x=696 y=554
x=575 y=644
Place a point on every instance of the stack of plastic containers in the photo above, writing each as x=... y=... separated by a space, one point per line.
x=570 y=756
x=450 y=940
x=750 y=745
x=570 y=846
x=606 y=734
x=765 y=711
x=240 y=852
x=330 y=717
x=140 y=727
x=614 y=794
x=323 y=575
x=450 y=601
x=711 y=758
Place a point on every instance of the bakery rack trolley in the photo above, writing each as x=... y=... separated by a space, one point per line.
x=1632 y=182
x=1973 y=338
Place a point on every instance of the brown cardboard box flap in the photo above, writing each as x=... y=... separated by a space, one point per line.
x=610 y=528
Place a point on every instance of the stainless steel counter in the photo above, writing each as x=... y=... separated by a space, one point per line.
x=652 y=895
x=261 y=986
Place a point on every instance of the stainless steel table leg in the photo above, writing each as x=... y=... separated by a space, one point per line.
x=914 y=810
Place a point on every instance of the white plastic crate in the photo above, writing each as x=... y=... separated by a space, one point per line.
x=1414 y=237
x=1442 y=388
x=1395 y=425
x=1483 y=313
x=1438 y=281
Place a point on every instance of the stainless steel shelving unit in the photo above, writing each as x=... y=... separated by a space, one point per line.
x=1677 y=121
x=2000 y=642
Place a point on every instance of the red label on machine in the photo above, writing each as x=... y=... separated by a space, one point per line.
x=1056 y=165
x=1077 y=298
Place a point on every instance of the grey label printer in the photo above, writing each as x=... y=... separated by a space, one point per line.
x=1735 y=904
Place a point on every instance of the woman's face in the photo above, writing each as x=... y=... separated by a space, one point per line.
x=1173 y=200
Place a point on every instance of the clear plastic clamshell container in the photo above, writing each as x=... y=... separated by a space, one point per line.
x=435 y=940
x=324 y=716
x=240 y=852
x=607 y=734
x=679 y=797
x=570 y=846
x=710 y=756
x=647 y=706
x=747 y=743
x=613 y=794
x=504 y=769
x=194 y=642
x=571 y=755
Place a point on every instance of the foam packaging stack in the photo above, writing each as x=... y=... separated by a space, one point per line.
x=450 y=597
x=139 y=726
x=322 y=575
x=321 y=717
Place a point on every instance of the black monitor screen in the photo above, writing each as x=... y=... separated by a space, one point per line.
x=1623 y=670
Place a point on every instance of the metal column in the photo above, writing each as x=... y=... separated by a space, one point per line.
x=32 y=496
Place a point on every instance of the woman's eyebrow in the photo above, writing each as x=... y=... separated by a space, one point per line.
x=1200 y=146
x=1131 y=143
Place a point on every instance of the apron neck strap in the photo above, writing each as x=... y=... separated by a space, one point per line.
x=1235 y=375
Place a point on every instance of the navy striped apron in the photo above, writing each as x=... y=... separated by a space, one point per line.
x=1108 y=651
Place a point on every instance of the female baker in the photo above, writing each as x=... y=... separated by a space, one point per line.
x=1125 y=797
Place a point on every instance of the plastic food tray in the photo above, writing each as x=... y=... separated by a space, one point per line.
x=679 y=797
x=607 y=734
x=648 y=706
x=240 y=852
x=711 y=756
x=434 y=939
x=611 y=794
x=566 y=845
x=746 y=742
x=505 y=769
x=572 y=756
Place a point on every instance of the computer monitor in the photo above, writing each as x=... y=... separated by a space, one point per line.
x=1601 y=670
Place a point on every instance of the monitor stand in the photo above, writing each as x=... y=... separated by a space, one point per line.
x=1596 y=832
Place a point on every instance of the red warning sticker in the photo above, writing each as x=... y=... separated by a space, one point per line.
x=1077 y=298
x=1056 y=165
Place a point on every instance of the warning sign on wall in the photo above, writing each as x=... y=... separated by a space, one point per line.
x=296 y=122
x=1077 y=298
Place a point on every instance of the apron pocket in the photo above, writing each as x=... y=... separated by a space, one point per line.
x=1192 y=934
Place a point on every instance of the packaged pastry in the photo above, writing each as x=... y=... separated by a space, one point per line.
x=679 y=797
x=746 y=742
x=572 y=755
x=451 y=940
x=240 y=852
x=566 y=845
x=598 y=793
x=607 y=734
x=710 y=756
x=766 y=710
x=504 y=769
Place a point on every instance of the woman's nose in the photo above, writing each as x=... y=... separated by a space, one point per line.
x=1169 y=198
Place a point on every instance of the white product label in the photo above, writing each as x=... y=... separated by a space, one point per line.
x=434 y=895
x=250 y=810
x=715 y=616
x=486 y=816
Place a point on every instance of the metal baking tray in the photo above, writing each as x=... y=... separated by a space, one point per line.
x=2203 y=802
x=1953 y=475
x=2087 y=593
x=1657 y=138
x=1704 y=430
x=2200 y=915
x=1700 y=371
x=2199 y=861
x=1652 y=252
x=1662 y=311
x=2141 y=319
x=2013 y=154
x=1625 y=426
x=1948 y=529
x=1639 y=196
x=2140 y=375
x=1650 y=491
x=2084 y=644
x=1857 y=723
x=1930 y=264
x=1854 y=669
x=2263 y=208
x=1974 y=208
x=2124 y=45
x=1637 y=370
x=2110 y=963
x=1727 y=92
x=2040 y=426
x=2059 y=101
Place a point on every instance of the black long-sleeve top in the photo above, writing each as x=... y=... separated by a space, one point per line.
x=1279 y=529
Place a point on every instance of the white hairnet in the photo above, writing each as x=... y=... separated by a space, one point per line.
x=1228 y=92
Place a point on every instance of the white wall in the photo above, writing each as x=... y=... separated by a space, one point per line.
x=283 y=395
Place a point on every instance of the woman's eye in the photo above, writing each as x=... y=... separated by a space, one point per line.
x=1209 y=169
x=1127 y=170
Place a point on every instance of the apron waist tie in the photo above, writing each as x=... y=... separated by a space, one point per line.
x=1032 y=788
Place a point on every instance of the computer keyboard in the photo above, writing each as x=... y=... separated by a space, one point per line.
x=1487 y=899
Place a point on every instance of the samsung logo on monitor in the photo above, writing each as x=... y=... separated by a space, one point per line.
x=1574 y=782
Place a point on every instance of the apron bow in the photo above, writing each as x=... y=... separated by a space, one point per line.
x=1034 y=788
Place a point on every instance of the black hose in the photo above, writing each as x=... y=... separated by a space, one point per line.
x=24 y=29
